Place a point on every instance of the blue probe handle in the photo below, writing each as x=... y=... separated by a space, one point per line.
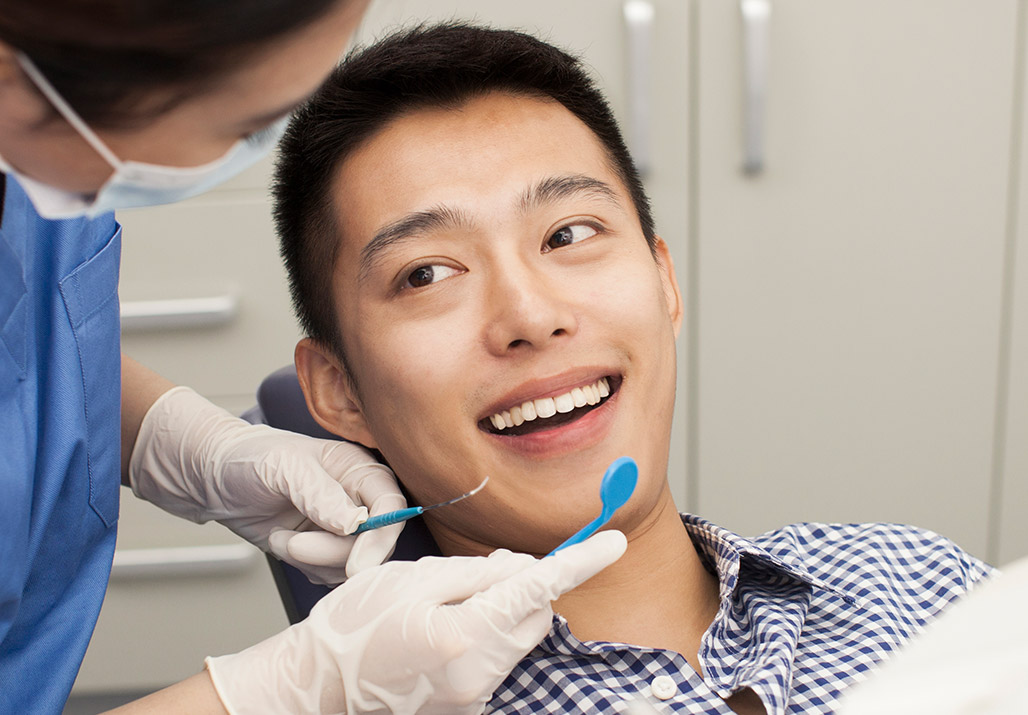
x=586 y=531
x=392 y=517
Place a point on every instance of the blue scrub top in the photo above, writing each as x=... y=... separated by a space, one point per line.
x=60 y=424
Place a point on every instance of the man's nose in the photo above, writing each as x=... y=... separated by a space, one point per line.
x=528 y=309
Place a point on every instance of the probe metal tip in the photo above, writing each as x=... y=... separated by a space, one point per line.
x=476 y=490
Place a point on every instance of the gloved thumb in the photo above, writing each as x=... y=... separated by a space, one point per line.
x=532 y=589
x=374 y=547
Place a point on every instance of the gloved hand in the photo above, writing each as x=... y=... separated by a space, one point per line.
x=197 y=461
x=437 y=635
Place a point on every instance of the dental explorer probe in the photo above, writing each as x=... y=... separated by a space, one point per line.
x=395 y=517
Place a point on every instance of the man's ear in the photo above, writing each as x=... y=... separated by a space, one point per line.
x=672 y=295
x=329 y=392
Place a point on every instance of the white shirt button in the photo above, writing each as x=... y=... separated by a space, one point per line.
x=663 y=687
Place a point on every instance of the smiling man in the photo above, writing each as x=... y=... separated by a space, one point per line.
x=473 y=259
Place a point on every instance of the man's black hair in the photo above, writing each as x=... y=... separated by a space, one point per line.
x=435 y=66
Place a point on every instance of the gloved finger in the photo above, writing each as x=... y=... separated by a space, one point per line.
x=278 y=542
x=319 y=497
x=317 y=548
x=350 y=477
x=319 y=575
x=363 y=477
x=278 y=545
x=526 y=634
x=534 y=587
x=374 y=547
x=456 y=578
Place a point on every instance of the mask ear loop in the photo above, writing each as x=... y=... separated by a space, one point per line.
x=69 y=114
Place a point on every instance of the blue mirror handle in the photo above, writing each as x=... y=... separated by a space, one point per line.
x=585 y=532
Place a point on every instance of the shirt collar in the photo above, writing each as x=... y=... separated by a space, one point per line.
x=723 y=552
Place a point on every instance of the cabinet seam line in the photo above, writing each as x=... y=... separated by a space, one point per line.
x=1001 y=416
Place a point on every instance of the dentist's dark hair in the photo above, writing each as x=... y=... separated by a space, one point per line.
x=109 y=59
x=436 y=66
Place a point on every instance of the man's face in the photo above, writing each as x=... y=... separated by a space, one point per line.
x=492 y=264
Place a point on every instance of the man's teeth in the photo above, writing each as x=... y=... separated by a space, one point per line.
x=549 y=406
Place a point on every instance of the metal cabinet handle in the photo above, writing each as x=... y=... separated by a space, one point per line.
x=182 y=561
x=178 y=313
x=756 y=16
x=639 y=23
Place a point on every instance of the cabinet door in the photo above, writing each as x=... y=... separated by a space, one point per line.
x=847 y=310
x=597 y=31
x=216 y=256
x=178 y=593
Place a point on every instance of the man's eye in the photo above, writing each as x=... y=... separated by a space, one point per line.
x=569 y=234
x=427 y=275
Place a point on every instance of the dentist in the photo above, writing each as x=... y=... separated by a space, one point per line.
x=122 y=103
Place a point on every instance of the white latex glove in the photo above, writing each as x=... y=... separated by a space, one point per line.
x=437 y=635
x=197 y=461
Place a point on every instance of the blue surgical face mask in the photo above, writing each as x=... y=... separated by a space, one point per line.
x=134 y=184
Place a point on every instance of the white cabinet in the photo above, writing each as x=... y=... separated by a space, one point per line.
x=847 y=300
x=221 y=246
x=161 y=618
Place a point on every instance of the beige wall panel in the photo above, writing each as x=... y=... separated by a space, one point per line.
x=849 y=295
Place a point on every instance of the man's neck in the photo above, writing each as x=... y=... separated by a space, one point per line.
x=658 y=595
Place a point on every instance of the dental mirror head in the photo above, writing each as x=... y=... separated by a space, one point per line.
x=618 y=484
x=615 y=490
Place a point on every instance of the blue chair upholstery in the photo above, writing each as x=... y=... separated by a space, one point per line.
x=280 y=404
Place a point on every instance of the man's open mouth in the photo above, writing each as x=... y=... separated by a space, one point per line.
x=549 y=412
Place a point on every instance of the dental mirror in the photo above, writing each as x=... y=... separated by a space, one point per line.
x=615 y=491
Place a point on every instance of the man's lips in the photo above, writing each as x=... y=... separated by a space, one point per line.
x=549 y=412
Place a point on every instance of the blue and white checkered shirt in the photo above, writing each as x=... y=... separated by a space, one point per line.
x=806 y=611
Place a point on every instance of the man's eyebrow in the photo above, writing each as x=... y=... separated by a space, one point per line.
x=556 y=188
x=410 y=226
x=546 y=191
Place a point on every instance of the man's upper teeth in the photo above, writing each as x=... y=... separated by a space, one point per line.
x=549 y=406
